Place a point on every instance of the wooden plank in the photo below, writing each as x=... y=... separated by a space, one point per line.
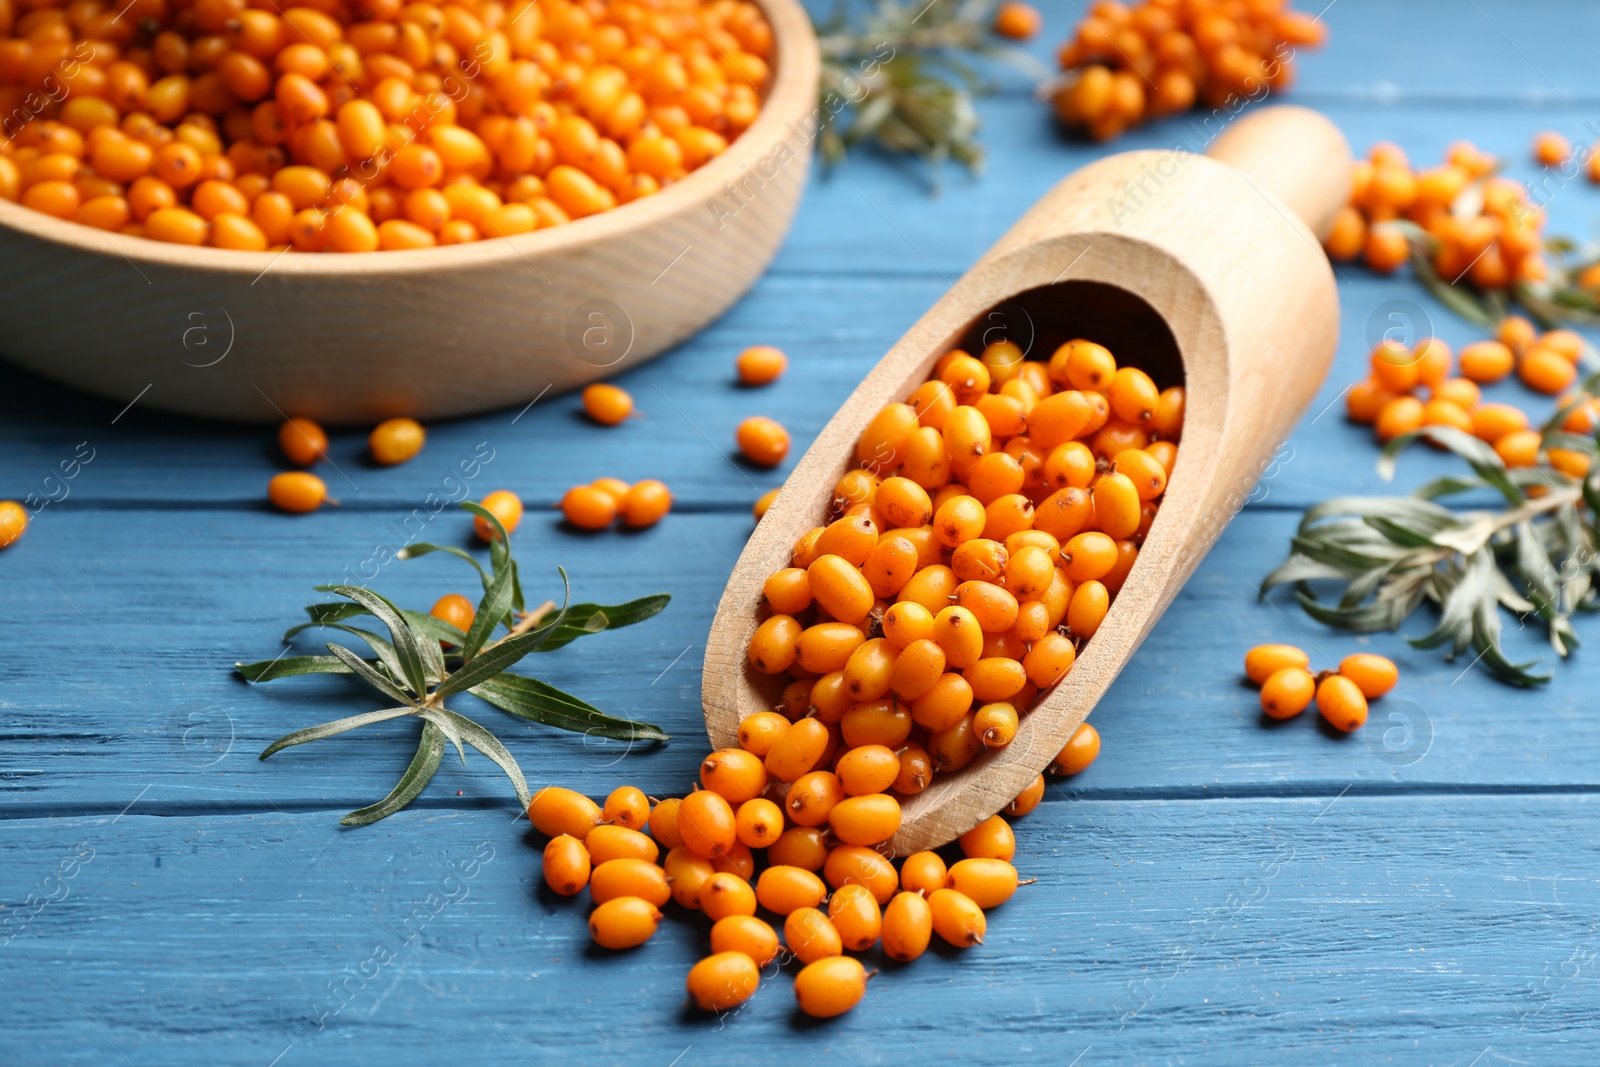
x=91 y=728
x=1350 y=930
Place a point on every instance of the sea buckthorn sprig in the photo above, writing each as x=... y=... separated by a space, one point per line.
x=898 y=75
x=764 y=845
x=376 y=125
x=1539 y=557
x=458 y=648
x=981 y=538
x=1288 y=687
x=1127 y=63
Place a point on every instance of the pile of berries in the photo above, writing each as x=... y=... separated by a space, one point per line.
x=1479 y=227
x=1412 y=388
x=977 y=545
x=1288 y=686
x=374 y=124
x=1127 y=63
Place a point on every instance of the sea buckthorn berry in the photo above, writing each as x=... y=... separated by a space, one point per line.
x=607 y=404
x=799 y=846
x=1049 y=659
x=1133 y=395
x=855 y=913
x=687 y=874
x=916 y=770
x=1374 y=675
x=396 y=440
x=995 y=678
x=798 y=750
x=988 y=882
x=827 y=700
x=1366 y=399
x=812 y=797
x=1399 y=416
x=1551 y=148
x=957 y=632
x=762 y=441
x=296 y=491
x=737 y=860
x=996 y=723
x=1341 y=703
x=957 y=918
x=907 y=622
x=827 y=646
x=990 y=839
x=763 y=502
x=1287 y=692
x=303 y=442
x=840 y=589
x=554 y=811
x=1149 y=477
x=615 y=842
x=1167 y=422
x=707 y=824
x=1028 y=799
x=624 y=922
x=503 y=505
x=1486 y=361
x=788 y=591
x=760 y=365
x=758 y=823
x=1519 y=449
x=1491 y=422
x=645 y=503
x=852 y=538
x=810 y=935
x=626 y=877
x=943 y=706
x=1545 y=370
x=727 y=894
x=747 y=935
x=1263 y=661
x=783 y=890
x=722 y=981
x=1083 y=365
x=1116 y=504
x=663 y=823
x=775 y=644
x=830 y=987
x=858 y=866
x=628 y=807
x=454 y=609
x=864 y=820
x=907 y=926
x=759 y=732
x=1028 y=572
x=566 y=865
x=1087 y=609
x=1395 y=367
x=891 y=565
x=734 y=774
x=1079 y=751
x=923 y=872
x=867 y=769
x=993 y=606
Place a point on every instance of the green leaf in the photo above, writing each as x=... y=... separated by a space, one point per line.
x=486 y=743
x=430 y=750
x=1365 y=618
x=290 y=666
x=405 y=642
x=532 y=699
x=329 y=729
x=492 y=609
x=500 y=544
x=1448 y=485
x=322 y=614
x=384 y=650
x=1298 y=568
x=595 y=618
x=1394 y=507
x=1465 y=589
x=423 y=548
x=364 y=670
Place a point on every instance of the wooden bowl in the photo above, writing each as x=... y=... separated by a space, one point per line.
x=430 y=333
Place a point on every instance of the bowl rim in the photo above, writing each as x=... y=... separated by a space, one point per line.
x=791 y=101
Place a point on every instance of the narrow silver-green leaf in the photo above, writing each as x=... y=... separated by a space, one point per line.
x=430 y=750
x=491 y=609
x=364 y=670
x=383 y=649
x=289 y=667
x=596 y=618
x=405 y=642
x=486 y=743
x=423 y=548
x=532 y=699
x=329 y=729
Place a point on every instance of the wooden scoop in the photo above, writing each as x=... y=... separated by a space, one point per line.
x=1204 y=270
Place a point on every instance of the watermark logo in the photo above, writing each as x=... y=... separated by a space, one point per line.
x=1400 y=733
x=199 y=341
x=201 y=734
x=600 y=333
x=1398 y=322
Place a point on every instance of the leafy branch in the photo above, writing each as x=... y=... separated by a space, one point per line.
x=1539 y=556
x=901 y=77
x=425 y=659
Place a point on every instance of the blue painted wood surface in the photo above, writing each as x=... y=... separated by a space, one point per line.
x=1213 y=890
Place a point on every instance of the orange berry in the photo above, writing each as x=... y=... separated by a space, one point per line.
x=303 y=442
x=763 y=441
x=1263 y=661
x=588 y=508
x=1017 y=20
x=1288 y=692
x=761 y=365
x=722 y=981
x=607 y=404
x=13 y=522
x=503 y=505
x=1486 y=361
x=297 y=491
x=1079 y=751
x=456 y=610
x=1374 y=675
x=396 y=440
x=1551 y=148
x=1341 y=703
x=646 y=503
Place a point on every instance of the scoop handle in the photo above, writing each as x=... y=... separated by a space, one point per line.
x=1295 y=154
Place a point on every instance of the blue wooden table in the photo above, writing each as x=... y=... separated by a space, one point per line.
x=1211 y=891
